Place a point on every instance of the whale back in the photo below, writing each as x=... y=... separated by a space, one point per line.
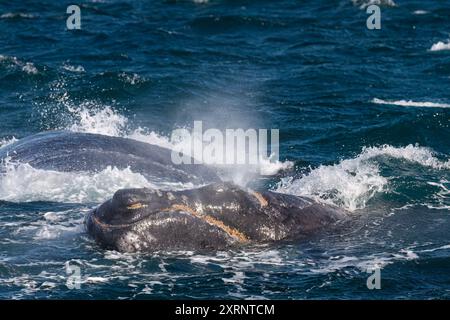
x=69 y=151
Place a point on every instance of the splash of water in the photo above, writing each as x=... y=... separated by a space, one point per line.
x=103 y=121
x=363 y=4
x=410 y=103
x=7 y=141
x=107 y=121
x=440 y=46
x=23 y=183
x=351 y=183
x=14 y=62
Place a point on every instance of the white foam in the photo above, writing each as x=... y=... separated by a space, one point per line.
x=103 y=121
x=71 y=68
x=268 y=166
x=95 y=280
x=365 y=3
x=27 y=67
x=364 y=263
x=52 y=216
x=444 y=247
x=413 y=153
x=48 y=232
x=12 y=15
x=441 y=198
x=440 y=46
x=349 y=184
x=353 y=182
x=410 y=103
x=150 y=137
x=239 y=263
x=420 y=12
x=7 y=141
x=132 y=79
x=90 y=117
x=23 y=183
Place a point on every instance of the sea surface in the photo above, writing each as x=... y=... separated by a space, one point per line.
x=363 y=115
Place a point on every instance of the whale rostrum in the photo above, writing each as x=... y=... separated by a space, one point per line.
x=216 y=216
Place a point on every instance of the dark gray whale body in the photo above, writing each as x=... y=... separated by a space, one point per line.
x=69 y=151
x=217 y=216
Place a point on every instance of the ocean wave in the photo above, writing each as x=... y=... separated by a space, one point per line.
x=49 y=231
x=17 y=15
x=29 y=68
x=13 y=62
x=440 y=46
x=349 y=184
x=132 y=78
x=412 y=153
x=442 y=196
x=444 y=247
x=127 y=78
x=365 y=263
x=410 y=103
x=71 y=68
x=362 y=4
x=273 y=259
x=23 y=183
x=353 y=182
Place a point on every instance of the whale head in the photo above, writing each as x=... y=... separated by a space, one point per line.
x=212 y=217
x=151 y=220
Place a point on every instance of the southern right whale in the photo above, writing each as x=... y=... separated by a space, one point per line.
x=75 y=152
x=216 y=216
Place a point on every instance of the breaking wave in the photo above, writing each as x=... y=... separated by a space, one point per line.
x=362 y=4
x=13 y=62
x=17 y=15
x=23 y=183
x=351 y=183
x=410 y=103
x=440 y=46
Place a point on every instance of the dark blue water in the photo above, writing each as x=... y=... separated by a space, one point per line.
x=363 y=116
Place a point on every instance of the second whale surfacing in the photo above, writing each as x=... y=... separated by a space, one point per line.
x=66 y=151
x=214 y=217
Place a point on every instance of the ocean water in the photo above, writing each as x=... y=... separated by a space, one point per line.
x=364 y=120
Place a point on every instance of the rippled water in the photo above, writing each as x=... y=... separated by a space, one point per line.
x=363 y=116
